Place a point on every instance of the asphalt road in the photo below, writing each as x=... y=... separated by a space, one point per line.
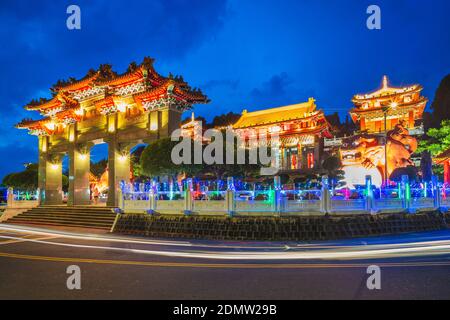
x=33 y=264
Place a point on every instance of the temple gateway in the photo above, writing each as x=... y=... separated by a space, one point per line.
x=124 y=110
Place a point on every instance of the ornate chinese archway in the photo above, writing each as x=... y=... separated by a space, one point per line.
x=104 y=107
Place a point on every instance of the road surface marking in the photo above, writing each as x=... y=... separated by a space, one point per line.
x=27 y=238
x=220 y=265
x=442 y=248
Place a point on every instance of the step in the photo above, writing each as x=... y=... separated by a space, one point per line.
x=23 y=216
x=33 y=215
x=58 y=224
x=71 y=214
x=71 y=210
x=77 y=207
x=62 y=220
x=65 y=215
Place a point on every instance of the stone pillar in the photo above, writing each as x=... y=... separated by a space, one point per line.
x=278 y=201
x=49 y=174
x=188 y=198
x=436 y=192
x=229 y=196
x=369 y=194
x=79 y=169
x=169 y=120
x=325 y=200
x=406 y=193
x=50 y=177
x=10 y=198
x=118 y=169
x=42 y=167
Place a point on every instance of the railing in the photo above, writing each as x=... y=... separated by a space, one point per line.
x=279 y=202
x=388 y=199
x=209 y=202
x=445 y=197
x=249 y=202
x=16 y=199
x=301 y=201
x=344 y=200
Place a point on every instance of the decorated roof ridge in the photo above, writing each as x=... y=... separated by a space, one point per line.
x=191 y=95
x=421 y=100
x=124 y=78
x=87 y=81
x=386 y=90
x=28 y=122
x=194 y=94
x=37 y=104
x=58 y=100
x=162 y=88
x=103 y=73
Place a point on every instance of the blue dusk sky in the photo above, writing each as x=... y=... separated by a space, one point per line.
x=243 y=54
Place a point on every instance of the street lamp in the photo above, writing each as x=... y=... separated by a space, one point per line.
x=386 y=110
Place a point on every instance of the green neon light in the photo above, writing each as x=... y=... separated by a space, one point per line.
x=408 y=192
x=271 y=196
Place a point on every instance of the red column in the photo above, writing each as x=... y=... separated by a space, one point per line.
x=447 y=172
x=411 y=119
x=362 y=124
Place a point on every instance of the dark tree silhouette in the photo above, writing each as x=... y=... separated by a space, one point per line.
x=441 y=103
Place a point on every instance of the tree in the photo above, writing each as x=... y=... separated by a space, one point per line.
x=223 y=170
x=437 y=139
x=135 y=160
x=98 y=168
x=333 y=167
x=426 y=166
x=409 y=171
x=225 y=120
x=441 y=103
x=27 y=180
x=156 y=159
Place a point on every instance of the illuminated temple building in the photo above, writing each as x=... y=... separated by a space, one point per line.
x=301 y=128
x=139 y=106
x=390 y=119
x=399 y=104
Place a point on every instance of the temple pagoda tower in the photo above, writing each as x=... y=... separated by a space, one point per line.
x=396 y=104
x=124 y=110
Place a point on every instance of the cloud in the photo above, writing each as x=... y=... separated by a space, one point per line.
x=279 y=90
x=214 y=84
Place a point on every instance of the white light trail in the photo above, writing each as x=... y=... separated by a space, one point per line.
x=438 y=248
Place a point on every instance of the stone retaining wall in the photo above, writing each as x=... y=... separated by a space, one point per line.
x=279 y=229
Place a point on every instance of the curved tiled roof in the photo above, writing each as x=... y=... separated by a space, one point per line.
x=276 y=115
